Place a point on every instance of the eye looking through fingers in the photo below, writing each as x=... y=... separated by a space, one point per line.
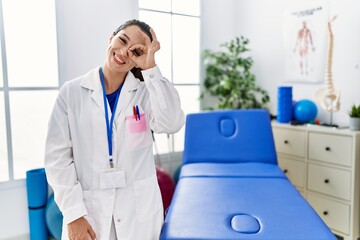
x=137 y=52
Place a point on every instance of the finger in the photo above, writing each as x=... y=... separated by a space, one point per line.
x=137 y=46
x=153 y=35
x=91 y=233
x=138 y=50
x=156 y=45
x=146 y=37
x=131 y=56
x=155 y=42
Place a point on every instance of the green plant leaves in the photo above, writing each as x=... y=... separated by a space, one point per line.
x=355 y=111
x=228 y=76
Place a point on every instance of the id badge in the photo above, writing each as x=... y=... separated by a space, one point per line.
x=112 y=178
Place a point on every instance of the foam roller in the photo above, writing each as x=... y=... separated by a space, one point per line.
x=36 y=187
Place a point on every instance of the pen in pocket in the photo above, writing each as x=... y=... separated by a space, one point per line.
x=138 y=112
x=135 y=113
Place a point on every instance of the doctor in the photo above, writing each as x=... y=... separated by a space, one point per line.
x=99 y=157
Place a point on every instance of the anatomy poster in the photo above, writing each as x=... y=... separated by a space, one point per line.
x=305 y=35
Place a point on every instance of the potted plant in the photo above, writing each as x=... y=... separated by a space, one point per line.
x=354 y=115
x=228 y=77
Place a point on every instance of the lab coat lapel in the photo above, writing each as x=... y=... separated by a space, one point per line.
x=97 y=96
x=92 y=82
x=130 y=85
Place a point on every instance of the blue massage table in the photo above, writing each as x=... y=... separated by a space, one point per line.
x=230 y=186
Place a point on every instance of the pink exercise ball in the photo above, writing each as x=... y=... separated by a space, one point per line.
x=167 y=186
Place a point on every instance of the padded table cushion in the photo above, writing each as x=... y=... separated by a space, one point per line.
x=229 y=136
x=203 y=208
x=251 y=169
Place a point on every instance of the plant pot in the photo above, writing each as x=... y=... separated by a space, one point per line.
x=354 y=124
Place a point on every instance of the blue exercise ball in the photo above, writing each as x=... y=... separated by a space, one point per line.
x=305 y=111
x=54 y=218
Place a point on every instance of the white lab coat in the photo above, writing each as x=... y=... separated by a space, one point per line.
x=76 y=155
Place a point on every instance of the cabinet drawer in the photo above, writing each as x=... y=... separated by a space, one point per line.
x=336 y=215
x=294 y=170
x=289 y=142
x=330 y=181
x=330 y=148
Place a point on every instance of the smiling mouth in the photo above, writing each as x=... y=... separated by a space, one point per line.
x=118 y=59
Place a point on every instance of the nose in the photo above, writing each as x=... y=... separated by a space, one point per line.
x=124 y=52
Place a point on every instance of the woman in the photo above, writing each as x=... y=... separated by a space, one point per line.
x=99 y=158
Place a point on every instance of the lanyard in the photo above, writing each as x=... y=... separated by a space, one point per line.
x=108 y=124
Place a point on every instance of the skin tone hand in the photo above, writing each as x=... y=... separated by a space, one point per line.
x=143 y=56
x=80 y=229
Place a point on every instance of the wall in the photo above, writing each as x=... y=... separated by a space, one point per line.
x=84 y=28
x=14 y=212
x=262 y=21
x=218 y=22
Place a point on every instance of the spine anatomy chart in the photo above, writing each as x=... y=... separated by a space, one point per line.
x=328 y=97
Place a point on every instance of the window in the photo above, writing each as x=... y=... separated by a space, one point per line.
x=4 y=173
x=177 y=26
x=29 y=83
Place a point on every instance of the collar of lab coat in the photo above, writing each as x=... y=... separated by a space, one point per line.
x=92 y=82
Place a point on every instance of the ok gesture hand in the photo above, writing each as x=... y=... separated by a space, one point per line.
x=143 y=56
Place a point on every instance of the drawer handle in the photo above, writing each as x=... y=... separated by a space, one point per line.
x=286 y=142
x=326 y=180
x=328 y=149
x=285 y=171
x=325 y=213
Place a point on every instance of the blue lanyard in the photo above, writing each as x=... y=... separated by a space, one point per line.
x=108 y=124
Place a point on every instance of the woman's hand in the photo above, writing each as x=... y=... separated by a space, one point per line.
x=143 y=56
x=80 y=229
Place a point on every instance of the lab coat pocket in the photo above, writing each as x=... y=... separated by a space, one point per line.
x=147 y=198
x=137 y=133
x=112 y=178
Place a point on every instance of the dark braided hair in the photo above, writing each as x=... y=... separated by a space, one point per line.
x=143 y=27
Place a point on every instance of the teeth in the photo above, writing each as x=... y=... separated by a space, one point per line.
x=117 y=58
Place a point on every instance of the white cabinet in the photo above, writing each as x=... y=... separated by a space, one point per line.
x=324 y=165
